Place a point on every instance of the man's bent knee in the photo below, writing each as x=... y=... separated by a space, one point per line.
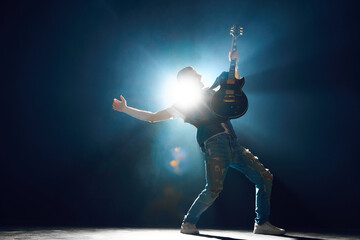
x=267 y=175
x=208 y=196
x=215 y=193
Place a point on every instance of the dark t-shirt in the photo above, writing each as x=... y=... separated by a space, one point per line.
x=203 y=118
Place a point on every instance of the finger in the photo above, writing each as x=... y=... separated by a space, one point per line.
x=234 y=53
x=122 y=98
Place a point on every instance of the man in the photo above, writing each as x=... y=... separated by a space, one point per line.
x=218 y=141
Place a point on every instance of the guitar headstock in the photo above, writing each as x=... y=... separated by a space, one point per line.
x=236 y=31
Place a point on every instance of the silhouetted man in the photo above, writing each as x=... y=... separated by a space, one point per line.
x=217 y=140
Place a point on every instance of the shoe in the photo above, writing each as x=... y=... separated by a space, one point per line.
x=268 y=229
x=188 y=228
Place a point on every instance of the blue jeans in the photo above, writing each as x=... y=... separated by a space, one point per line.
x=224 y=151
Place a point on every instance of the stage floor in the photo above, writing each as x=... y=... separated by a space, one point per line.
x=156 y=234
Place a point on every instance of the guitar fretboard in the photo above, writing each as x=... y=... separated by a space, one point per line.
x=233 y=62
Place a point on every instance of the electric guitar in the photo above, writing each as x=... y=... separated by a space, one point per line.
x=230 y=101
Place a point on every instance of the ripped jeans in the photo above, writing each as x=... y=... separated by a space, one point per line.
x=221 y=152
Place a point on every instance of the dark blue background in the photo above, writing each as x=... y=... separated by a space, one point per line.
x=68 y=160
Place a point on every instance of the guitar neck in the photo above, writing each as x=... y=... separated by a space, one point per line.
x=233 y=61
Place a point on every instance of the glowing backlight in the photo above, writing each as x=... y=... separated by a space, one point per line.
x=186 y=93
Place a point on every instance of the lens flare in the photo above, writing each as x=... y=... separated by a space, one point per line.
x=188 y=94
x=185 y=93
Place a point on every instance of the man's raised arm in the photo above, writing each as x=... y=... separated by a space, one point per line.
x=121 y=106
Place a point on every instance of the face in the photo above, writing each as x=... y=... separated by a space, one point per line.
x=193 y=77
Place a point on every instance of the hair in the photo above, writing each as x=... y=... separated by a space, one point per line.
x=186 y=71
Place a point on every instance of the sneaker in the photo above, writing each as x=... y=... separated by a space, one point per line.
x=268 y=228
x=188 y=228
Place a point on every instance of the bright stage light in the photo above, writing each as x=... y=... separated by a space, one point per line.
x=187 y=94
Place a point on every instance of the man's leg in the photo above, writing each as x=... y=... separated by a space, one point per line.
x=217 y=155
x=246 y=162
x=254 y=170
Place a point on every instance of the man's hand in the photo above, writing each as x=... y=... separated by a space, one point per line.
x=234 y=55
x=119 y=105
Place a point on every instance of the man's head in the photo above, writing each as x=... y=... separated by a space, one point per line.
x=189 y=75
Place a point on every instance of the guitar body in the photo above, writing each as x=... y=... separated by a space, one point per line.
x=230 y=101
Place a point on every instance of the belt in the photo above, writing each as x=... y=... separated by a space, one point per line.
x=214 y=136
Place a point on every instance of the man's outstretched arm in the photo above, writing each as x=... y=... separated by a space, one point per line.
x=121 y=106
